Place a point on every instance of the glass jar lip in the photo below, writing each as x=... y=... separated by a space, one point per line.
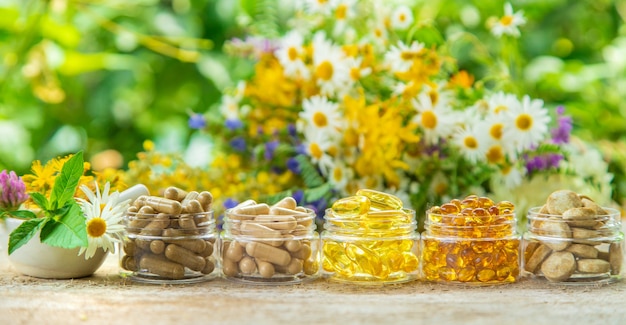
x=329 y=215
x=534 y=214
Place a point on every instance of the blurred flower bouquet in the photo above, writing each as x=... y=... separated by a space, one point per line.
x=359 y=95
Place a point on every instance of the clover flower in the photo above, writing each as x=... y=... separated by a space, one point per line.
x=12 y=191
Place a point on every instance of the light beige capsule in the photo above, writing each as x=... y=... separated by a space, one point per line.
x=536 y=258
x=301 y=209
x=300 y=230
x=157 y=247
x=304 y=252
x=245 y=203
x=209 y=267
x=293 y=245
x=286 y=212
x=268 y=253
x=129 y=263
x=253 y=210
x=305 y=221
x=175 y=193
x=208 y=250
x=164 y=205
x=583 y=251
x=230 y=268
x=616 y=258
x=195 y=245
x=132 y=209
x=593 y=265
x=156 y=225
x=206 y=200
x=234 y=252
x=247 y=265
x=191 y=196
x=142 y=245
x=274 y=237
x=161 y=266
x=265 y=269
x=186 y=222
x=559 y=266
x=193 y=207
x=287 y=203
x=185 y=257
x=140 y=201
x=277 y=222
x=171 y=232
x=129 y=247
x=294 y=267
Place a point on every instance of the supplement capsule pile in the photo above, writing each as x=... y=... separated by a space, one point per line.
x=573 y=239
x=270 y=242
x=170 y=237
x=370 y=237
x=471 y=241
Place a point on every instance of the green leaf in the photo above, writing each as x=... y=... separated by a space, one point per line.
x=22 y=214
x=314 y=194
x=22 y=234
x=66 y=182
x=309 y=173
x=67 y=232
x=40 y=200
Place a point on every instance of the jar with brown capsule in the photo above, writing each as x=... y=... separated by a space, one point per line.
x=270 y=245
x=170 y=240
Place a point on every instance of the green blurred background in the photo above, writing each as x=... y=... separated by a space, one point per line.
x=108 y=74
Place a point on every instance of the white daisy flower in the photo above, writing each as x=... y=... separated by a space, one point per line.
x=343 y=12
x=379 y=35
x=316 y=144
x=290 y=54
x=509 y=23
x=319 y=6
x=320 y=113
x=471 y=143
x=103 y=214
x=400 y=58
x=510 y=176
x=330 y=67
x=436 y=121
x=339 y=175
x=528 y=124
x=230 y=108
x=402 y=18
x=500 y=103
x=495 y=154
x=356 y=71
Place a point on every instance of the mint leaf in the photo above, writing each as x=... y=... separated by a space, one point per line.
x=314 y=194
x=67 y=232
x=40 y=200
x=22 y=214
x=22 y=234
x=309 y=173
x=66 y=182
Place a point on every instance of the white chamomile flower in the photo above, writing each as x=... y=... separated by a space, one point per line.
x=400 y=58
x=230 y=107
x=471 y=143
x=495 y=154
x=319 y=6
x=436 y=121
x=528 y=124
x=401 y=18
x=343 y=12
x=356 y=71
x=339 y=175
x=103 y=214
x=510 y=176
x=500 y=103
x=290 y=54
x=320 y=113
x=316 y=144
x=509 y=23
x=379 y=34
x=329 y=66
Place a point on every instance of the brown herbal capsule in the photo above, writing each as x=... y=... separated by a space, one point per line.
x=175 y=193
x=185 y=257
x=162 y=266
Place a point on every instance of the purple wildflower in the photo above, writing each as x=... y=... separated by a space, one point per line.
x=12 y=191
x=230 y=203
x=298 y=196
x=561 y=134
x=270 y=149
x=233 y=124
x=543 y=162
x=238 y=144
x=291 y=128
x=197 y=121
x=293 y=165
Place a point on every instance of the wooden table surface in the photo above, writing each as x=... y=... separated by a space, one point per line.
x=107 y=298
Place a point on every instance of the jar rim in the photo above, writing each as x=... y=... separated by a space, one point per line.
x=533 y=213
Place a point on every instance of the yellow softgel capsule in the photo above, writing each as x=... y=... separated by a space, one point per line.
x=380 y=200
x=352 y=206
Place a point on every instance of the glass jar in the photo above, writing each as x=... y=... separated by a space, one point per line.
x=470 y=249
x=574 y=250
x=169 y=248
x=269 y=249
x=379 y=247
